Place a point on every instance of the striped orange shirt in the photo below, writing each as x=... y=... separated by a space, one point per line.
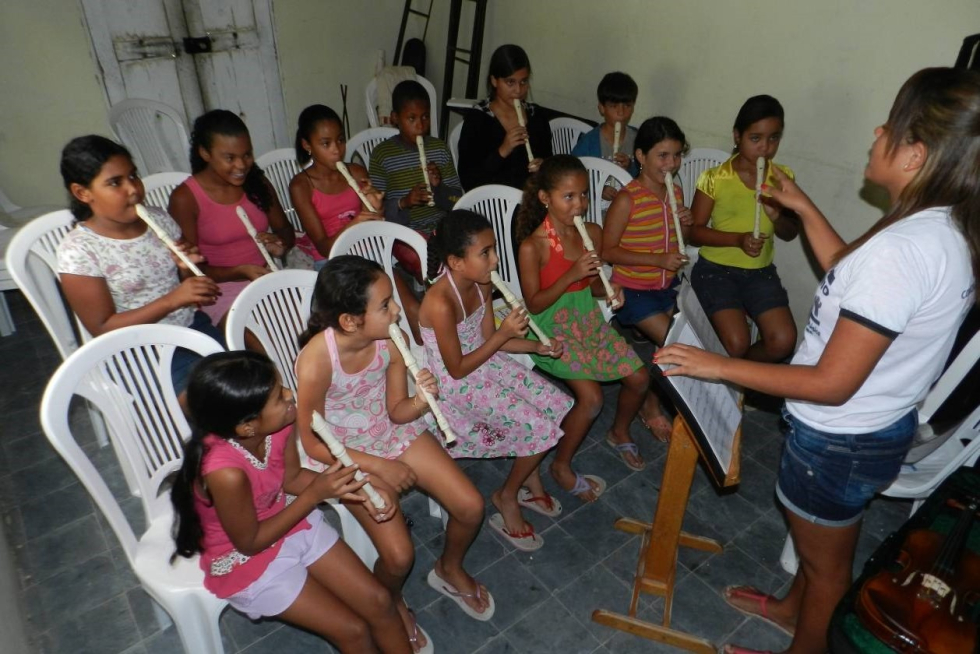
x=649 y=230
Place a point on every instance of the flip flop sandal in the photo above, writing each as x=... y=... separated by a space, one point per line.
x=745 y=592
x=582 y=485
x=539 y=504
x=525 y=541
x=629 y=447
x=428 y=648
x=660 y=427
x=447 y=589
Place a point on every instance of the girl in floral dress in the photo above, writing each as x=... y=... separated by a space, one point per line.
x=496 y=407
x=559 y=279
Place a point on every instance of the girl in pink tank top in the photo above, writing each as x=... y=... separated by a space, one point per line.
x=205 y=206
x=358 y=378
x=325 y=203
x=266 y=556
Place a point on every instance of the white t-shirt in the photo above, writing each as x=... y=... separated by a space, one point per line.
x=137 y=270
x=912 y=282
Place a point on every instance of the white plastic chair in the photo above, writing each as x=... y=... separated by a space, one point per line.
x=362 y=143
x=696 y=162
x=275 y=308
x=159 y=186
x=154 y=132
x=497 y=203
x=18 y=216
x=454 y=143
x=565 y=132
x=600 y=171
x=280 y=167
x=126 y=375
x=371 y=104
x=956 y=446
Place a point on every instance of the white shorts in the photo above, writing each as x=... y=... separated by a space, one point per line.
x=281 y=583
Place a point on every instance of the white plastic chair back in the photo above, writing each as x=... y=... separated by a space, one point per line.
x=497 y=203
x=275 y=308
x=280 y=167
x=374 y=240
x=371 y=104
x=126 y=375
x=454 y=143
x=696 y=162
x=362 y=143
x=159 y=186
x=154 y=132
x=600 y=171
x=565 y=132
x=32 y=262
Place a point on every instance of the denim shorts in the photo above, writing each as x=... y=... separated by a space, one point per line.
x=828 y=479
x=640 y=305
x=754 y=291
x=184 y=360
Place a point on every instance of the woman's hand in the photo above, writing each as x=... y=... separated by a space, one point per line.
x=390 y=508
x=609 y=193
x=690 y=362
x=787 y=194
x=272 y=243
x=365 y=216
x=338 y=481
x=555 y=351
x=435 y=177
x=374 y=196
x=190 y=251
x=515 y=324
x=534 y=164
x=751 y=245
x=513 y=139
x=587 y=265
x=684 y=216
x=396 y=474
x=196 y=291
x=428 y=382
x=618 y=298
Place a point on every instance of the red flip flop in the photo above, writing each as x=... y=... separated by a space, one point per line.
x=755 y=595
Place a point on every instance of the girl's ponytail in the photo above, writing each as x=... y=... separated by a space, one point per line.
x=187 y=531
x=435 y=250
x=531 y=212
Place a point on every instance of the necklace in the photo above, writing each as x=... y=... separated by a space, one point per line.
x=259 y=465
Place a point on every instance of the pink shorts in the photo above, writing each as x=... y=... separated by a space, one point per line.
x=280 y=584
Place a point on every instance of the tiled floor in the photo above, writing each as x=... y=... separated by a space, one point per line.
x=79 y=595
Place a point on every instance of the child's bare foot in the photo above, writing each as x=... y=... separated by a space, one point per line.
x=754 y=602
x=627 y=449
x=463 y=588
x=587 y=488
x=514 y=520
x=415 y=635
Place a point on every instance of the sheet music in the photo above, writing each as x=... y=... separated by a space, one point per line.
x=713 y=406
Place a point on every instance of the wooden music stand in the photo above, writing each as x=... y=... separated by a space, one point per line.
x=657 y=565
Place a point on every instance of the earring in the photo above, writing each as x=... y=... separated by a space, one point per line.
x=546 y=206
x=309 y=152
x=249 y=431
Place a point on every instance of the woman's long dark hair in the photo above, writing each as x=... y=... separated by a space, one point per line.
x=506 y=60
x=341 y=287
x=224 y=390
x=227 y=123
x=940 y=108
x=309 y=118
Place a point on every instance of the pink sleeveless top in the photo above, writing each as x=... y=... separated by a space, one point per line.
x=221 y=236
x=226 y=570
x=356 y=409
x=335 y=211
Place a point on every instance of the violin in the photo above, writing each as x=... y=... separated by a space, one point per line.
x=924 y=601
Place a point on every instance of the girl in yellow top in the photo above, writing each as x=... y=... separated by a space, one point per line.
x=734 y=275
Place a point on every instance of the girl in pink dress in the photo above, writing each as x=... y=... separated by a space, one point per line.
x=325 y=203
x=224 y=178
x=351 y=371
x=495 y=405
x=265 y=556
